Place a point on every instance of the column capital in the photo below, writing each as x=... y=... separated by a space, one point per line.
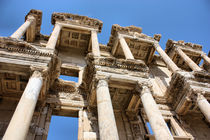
x=58 y=24
x=31 y=18
x=39 y=71
x=102 y=77
x=200 y=96
x=143 y=87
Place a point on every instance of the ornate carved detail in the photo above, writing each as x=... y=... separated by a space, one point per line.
x=64 y=86
x=157 y=37
x=102 y=82
x=70 y=96
x=39 y=71
x=142 y=87
x=14 y=45
x=77 y=20
x=135 y=32
x=171 y=43
x=105 y=48
x=133 y=65
x=38 y=16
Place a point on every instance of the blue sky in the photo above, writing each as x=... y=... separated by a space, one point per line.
x=187 y=20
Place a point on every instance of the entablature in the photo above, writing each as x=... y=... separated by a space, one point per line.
x=77 y=20
x=141 y=45
x=193 y=51
x=66 y=98
x=184 y=89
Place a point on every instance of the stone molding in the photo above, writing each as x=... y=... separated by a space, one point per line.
x=77 y=20
x=105 y=48
x=14 y=45
x=185 y=45
x=64 y=86
x=112 y=62
x=37 y=71
x=37 y=14
x=132 y=31
x=141 y=87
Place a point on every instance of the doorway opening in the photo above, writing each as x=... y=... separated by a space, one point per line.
x=63 y=128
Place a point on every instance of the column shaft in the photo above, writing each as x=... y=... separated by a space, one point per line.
x=106 y=118
x=125 y=48
x=21 y=30
x=172 y=66
x=54 y=37
x=21 y=119
x=95 y=44
x=206 y=58
x=187 y=60
x=80 y=76
x=156 y=120
x=204 y=106
x=80 y=125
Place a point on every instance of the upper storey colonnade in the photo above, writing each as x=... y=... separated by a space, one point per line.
x=124 y=37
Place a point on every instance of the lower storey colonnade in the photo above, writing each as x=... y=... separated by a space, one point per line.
x=158 y=124
x=106 y=119
x=21 y=119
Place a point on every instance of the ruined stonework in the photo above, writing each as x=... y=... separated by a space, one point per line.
x=122 y=86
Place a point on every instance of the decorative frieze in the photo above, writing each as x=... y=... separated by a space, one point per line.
x=13 y=45
x=77 y=20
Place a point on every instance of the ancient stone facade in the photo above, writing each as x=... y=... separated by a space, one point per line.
x=123 y=86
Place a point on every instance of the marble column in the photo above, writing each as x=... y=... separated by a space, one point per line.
x=204 y=106
x=106 y=118
x=21 y=119
x=187 y=60
x=54 y=37
x=22 y=29
x=172 y=66
x=80 y=76
x=95 y=44
x=206 y=58
x=125 y=48
x=158 y=124
x=80 y=125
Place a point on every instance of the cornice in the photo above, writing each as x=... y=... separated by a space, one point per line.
x=14 y=45
x=132 y=65
x=77 y=20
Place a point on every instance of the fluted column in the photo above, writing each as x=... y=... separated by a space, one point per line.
x=21 y=119
x=187 y=60
x=126 y=50
x=54 y=37
x=206 y=58
x=22 y=29
x=172 y=66
x=158 y=124
x=106 y=118
x=95 y=44
x=204 y=106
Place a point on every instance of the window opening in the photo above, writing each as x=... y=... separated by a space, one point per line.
x=68 y=78
x=169 y=124
x=63 y=128
x=149 y=128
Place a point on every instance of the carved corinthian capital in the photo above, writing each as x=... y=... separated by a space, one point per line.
x=102 y=80
x=143 y=87
x=37 y=71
